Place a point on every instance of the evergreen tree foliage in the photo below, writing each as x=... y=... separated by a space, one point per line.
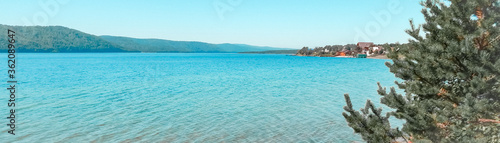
x=371 y=124
x=450 y=77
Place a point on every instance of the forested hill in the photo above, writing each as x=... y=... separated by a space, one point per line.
x=56 y=39
x=62 y=39
x=159 y=45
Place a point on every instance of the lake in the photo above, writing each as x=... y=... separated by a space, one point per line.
x=179 y=97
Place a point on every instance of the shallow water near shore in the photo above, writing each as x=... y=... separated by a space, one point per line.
x=164 y=97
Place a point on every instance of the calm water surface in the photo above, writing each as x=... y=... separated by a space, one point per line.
x=137 y=97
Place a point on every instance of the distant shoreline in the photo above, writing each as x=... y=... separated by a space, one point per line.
x=371 y=57
x=265 y=52
x=283 y=52
x=5 y=51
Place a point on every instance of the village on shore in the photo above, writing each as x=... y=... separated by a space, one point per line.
x=359 y=50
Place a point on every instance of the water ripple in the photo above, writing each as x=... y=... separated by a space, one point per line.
x=190 y=97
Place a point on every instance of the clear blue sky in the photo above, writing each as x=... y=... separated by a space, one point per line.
x=277 y=23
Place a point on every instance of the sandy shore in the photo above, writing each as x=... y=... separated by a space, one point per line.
x=378 y=57
x=344 y=57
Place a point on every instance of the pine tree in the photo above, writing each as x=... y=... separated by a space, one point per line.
x=450 y=78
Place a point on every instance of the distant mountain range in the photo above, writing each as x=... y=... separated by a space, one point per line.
x=159 y=45
x=53 y=39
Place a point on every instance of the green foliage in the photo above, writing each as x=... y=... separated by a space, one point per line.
x=304 y=51
x=328 y=50
x=159 y=45
x=381 y=52
x=62 y=39
x=371 y=124
x=450 y=76
x=56 y=39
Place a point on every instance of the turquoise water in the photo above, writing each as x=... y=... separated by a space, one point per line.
x=160 y=97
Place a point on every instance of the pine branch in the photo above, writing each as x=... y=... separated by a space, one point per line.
x=494 y=40
x=457 y=56
x=489 y=121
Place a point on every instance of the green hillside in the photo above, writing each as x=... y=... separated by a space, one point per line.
x=158 y=45
x=56 y=39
